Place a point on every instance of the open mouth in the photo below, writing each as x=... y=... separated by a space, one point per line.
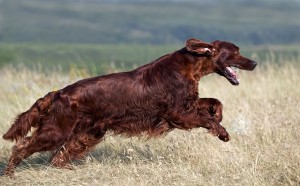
x=231 y=75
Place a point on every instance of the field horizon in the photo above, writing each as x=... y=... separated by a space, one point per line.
x=261 y=115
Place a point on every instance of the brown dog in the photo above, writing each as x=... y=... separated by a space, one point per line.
x=152 y=100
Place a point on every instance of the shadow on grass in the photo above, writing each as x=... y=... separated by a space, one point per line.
x=106 y=154
x=36 y=161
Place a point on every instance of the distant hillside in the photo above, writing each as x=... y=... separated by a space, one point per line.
x=149 y=22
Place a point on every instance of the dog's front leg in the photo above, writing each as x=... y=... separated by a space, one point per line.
x=197 y=117
x=213 y=108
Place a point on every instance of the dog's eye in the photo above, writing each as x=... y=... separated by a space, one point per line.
x=236 y=52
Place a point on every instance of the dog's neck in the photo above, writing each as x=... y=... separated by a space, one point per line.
x=207 y=67
x=194 y=66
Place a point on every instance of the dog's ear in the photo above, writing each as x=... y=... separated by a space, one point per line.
x=198 y=46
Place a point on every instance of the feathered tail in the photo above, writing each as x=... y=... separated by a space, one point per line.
x=28 y=119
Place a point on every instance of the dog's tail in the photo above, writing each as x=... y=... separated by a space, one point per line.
x=30 y=118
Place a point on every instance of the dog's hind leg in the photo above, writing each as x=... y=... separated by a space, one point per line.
x=76 y=147
x=18 y=154
x=29 y=145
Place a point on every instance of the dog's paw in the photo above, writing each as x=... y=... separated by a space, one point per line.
x=224 y=137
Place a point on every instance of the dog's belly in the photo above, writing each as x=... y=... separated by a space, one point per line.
x=149 y=126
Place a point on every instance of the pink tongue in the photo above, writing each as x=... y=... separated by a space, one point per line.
x=231 y=71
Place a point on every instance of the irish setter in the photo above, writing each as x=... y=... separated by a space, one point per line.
x=150 y=100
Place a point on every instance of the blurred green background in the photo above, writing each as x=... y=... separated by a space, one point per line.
x=108 y=35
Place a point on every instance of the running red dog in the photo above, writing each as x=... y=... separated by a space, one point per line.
x=150 y=100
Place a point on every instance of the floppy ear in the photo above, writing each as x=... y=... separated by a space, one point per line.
x=198 y=46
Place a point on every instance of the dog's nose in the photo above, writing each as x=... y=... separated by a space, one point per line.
x=253 y=64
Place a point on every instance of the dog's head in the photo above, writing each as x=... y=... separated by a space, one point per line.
x=223 y=56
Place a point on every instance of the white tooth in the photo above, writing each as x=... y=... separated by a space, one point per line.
x=229 y=69
x=232 y=72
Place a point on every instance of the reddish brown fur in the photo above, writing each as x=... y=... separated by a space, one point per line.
x=150 y=100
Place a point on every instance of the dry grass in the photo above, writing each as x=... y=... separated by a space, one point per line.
x=262 y=116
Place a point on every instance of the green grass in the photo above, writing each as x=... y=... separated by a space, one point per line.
x=96 y=58
x=100 y=59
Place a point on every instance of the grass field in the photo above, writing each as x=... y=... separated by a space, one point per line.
x=262 y=116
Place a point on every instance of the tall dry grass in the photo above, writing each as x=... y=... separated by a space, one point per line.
x=261 y=114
